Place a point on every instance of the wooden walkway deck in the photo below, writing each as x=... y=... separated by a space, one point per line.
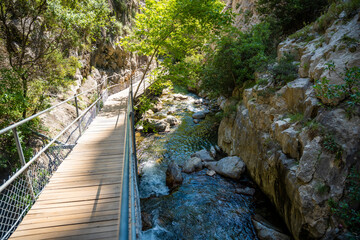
x=82 y=200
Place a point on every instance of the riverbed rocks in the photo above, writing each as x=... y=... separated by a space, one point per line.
x=173 y=176
x=204 y=155
x=192 y=165
x=232 y=167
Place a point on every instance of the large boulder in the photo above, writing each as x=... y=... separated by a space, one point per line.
x=204 y=155
x=193 y=164
x=231 y=167
x=173 y=176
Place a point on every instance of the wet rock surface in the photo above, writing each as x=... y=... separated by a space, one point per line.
x=173 y=176
x=204 y=155
x=193 y=164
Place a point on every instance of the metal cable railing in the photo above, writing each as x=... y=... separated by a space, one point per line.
x=21 y=190
x=130 y=214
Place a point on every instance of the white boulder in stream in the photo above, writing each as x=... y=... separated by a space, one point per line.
x=204 y=155
x=231 y=167
x=193 y=164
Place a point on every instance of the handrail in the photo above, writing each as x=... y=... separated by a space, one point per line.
x=129 y=196
x=46 y=110
x=15 y=125
x=19 y=172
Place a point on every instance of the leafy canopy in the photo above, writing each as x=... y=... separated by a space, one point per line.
x=175 y=29
x=35 y=63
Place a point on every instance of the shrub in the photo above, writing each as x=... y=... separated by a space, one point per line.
x=347 y=209
x=285 y=71
x=290 y=15
x=237 y=56
x=325 y=20
x=350 y=90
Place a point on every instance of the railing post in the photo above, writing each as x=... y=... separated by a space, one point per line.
x=23 y=162
x=77 y=113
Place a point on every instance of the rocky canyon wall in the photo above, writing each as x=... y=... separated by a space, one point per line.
x=282 y=134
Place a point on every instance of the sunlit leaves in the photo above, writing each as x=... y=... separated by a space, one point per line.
x=175 y=28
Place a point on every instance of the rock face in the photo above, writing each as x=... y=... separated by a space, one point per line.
x=193 y=164
x=173 y=176
x=246 y=13
x=337 y=46
x=231 y=167
x=287 y=157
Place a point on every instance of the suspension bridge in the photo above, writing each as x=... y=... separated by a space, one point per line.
x=87 y=191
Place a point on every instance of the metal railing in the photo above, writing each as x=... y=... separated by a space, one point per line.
x=21 y=190
x=130 y=214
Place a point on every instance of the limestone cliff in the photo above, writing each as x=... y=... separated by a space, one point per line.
x=286 y=156
x=245 y=10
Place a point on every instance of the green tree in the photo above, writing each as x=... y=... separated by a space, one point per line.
x=175 y=29
x=235 y=59
x=37 y=36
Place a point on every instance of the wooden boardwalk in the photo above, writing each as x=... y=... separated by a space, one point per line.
x=82 y=199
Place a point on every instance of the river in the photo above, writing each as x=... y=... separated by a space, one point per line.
x=203 y=207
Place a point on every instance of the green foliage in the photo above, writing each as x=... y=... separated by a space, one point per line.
x=348 y=209
x=284 y=71
x=330 y=145
x=302 y=33
x=322 y=188
x=230 y=110
x=176 y=31
x=147 y=100
x=325 y=20
x=174 y=28
x=289 y=16
x=37 y=36
x=350 y=90
x=186 y=72
x=297 y=117
x=234 y=61
x=262 y=82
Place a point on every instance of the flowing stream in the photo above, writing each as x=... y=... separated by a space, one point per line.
x=203 y=207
